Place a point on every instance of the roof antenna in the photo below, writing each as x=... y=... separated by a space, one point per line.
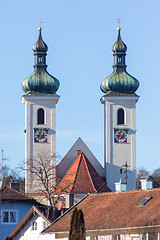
x=126 y=166
x=2 y=168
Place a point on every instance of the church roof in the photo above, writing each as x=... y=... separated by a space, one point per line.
x=115 y=210
x=71 y=155
x=82 y=178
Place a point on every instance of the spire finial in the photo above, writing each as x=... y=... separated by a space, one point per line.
x=118 y=21
x=40 y=24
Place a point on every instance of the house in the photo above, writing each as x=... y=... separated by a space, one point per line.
x=13 y=207
x=116 y=215
x=36 y=220
x=81 y=179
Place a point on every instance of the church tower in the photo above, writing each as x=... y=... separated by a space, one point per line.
x=40 y=114
x=120 y=121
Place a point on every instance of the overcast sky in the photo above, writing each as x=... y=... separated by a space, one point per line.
x=80 y=35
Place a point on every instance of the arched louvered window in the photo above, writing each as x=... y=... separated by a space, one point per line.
x=40 y=116
x=119 y=59
x=40 y=59
x=120 y=116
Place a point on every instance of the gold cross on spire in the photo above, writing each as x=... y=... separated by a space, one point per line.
x=118 y=21
x=40 y=24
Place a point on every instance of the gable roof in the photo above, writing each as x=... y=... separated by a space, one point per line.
x=71 y=155
x=82 y=178
x=34 y=210
x=115 y=210
x=9 y=194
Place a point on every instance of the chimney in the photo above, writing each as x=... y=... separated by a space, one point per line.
x=78 y=152
x=146 y=183
x=14 y=184
x=119 y=186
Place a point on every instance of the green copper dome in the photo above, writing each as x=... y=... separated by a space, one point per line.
x=119 y=45
x=119 y=81
x=40 y=45
x=40 y=81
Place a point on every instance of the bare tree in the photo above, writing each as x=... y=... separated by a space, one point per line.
x=42 y=172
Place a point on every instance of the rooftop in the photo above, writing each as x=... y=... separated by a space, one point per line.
x=119 y=210
x=82 y=178
x=7 y=194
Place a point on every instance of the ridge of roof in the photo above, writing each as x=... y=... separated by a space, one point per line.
x=86 y=161
x=79 y=161
x=124 y=192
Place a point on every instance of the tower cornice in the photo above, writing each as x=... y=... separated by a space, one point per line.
x=54 y=97
x=119 y=98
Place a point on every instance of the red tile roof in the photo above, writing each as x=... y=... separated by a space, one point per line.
x=82 y=178
x=114 y=211
x=11 y=194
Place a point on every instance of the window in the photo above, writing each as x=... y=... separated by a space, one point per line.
x=45 y=225
x=116 y=237
x=120 y=116
x=119 y=59
x=9 y=216
x=40 y=59
x=93 y=237
x=144 y=201
x=150 y=236
x=40 y=116
x=34 y=226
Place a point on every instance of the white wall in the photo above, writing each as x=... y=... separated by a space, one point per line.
x=116 y=154
x=27 y=233
x=35 y=149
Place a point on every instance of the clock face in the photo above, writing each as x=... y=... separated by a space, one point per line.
x=120 y=135
x=40 y=135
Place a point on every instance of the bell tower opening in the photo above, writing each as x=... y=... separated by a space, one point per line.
x=40 y=116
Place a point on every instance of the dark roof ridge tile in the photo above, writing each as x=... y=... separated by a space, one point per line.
x=128 y=191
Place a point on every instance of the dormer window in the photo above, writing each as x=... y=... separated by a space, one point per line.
x=120 y=116
x=40 y=116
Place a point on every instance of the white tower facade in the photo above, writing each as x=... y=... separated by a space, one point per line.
x=40 y=137
x=120 y=140
x=40 y=122
x=120 y=121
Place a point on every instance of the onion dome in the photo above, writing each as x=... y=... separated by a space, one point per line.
x=119 y=81
x=40 y=45
x=119 y=45
x=40 y=81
